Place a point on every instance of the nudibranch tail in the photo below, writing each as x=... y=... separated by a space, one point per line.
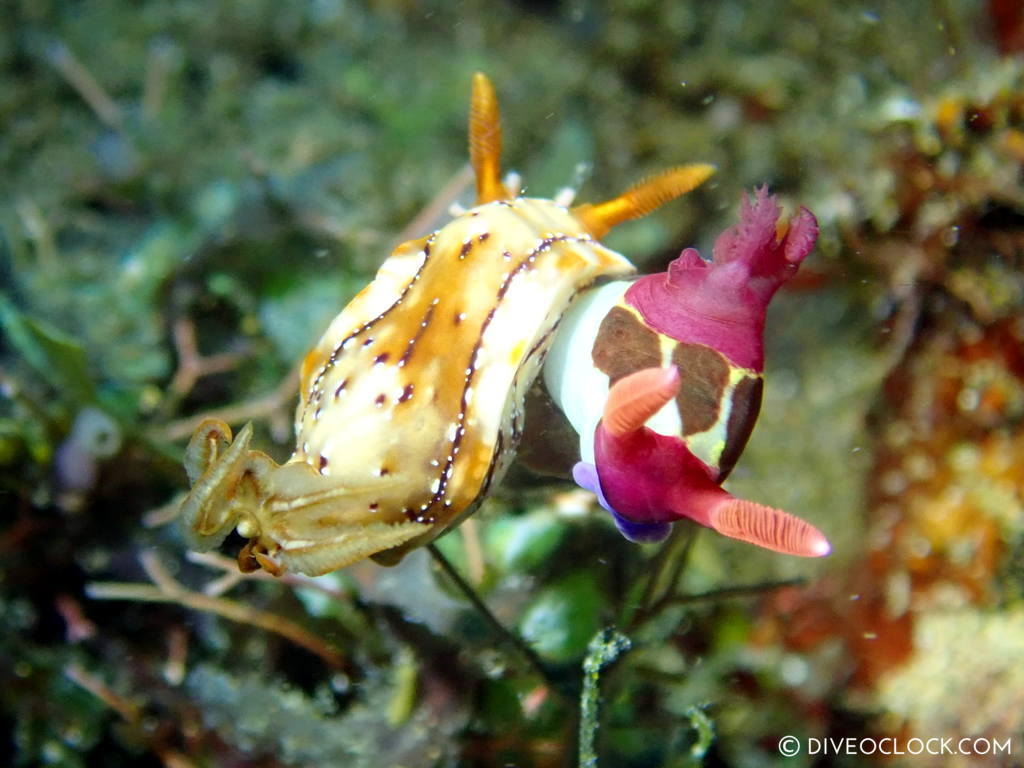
x=767 y=527
x=642 y=198
x=637 y=397
x=485 y=141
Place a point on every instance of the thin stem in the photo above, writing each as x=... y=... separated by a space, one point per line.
x=87 y=86
x=502 y=631
x=747 y=590
x=470 y=532
x=132 y=713
x=167 y=590
x=126 y=708
x=604 y=648
x=248 y=410
x=672 y=556
x=191 y=365
x=679 y=562
x=229 y=567
x=437 y=209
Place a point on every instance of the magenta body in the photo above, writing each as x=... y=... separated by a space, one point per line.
x=647 y=479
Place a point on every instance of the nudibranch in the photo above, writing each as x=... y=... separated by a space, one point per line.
x=662 y=377
x=411 y=405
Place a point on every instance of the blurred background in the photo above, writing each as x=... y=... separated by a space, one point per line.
x=192 y=190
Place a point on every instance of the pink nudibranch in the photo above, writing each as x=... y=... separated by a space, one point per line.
x=651 y=478
x=647 y=479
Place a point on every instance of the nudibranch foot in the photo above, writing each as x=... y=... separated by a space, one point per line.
x=641 y=533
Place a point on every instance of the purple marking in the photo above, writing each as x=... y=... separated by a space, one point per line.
x=585 y=475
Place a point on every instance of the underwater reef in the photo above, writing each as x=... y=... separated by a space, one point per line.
x=192 y=191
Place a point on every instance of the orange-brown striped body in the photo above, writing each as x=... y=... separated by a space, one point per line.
x=413 y=397
x=412 y=402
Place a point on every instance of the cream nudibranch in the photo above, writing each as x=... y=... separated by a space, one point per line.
x=661 y=378
x=411 y=405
